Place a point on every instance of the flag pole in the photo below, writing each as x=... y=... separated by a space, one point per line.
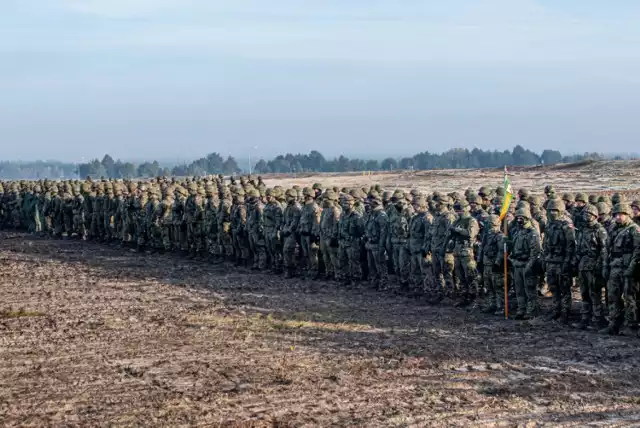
x=506 y=280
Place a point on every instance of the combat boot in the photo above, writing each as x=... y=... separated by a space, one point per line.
x=582 y=325
x=629 y=331
x=489 y=309
x=519 y=316
x=611 y=330
x=563 y=319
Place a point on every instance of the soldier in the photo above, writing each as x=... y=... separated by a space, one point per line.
x=579 y=211
x=399 y=232
x=624 y=254
x=225 y=237
x=239 y=231
x=558 y=255
x=525 y=258
x=255 y=230
x=604 y=217
x=460 y=239
x=290 y=231
x=376 y=231
x=154 y=228
x=329 y=220
x=140 y=214
x=78 y=216
x=350 y=231
x=273 y=216
x=419 y=234
x=309 y=232
x=591 y=257
x=443 y=262
x=492 y=257
x=211 y=222
x=164 y=217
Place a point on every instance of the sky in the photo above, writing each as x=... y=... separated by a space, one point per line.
x=177 y=79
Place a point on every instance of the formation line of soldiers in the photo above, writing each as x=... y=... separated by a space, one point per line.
x=445 y=248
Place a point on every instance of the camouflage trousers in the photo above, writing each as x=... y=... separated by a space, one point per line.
x=258 y=249
x=128 y=230
x=349 y=256
x=289 y=251
x=494 y=285
x=443 y=266
x=195 y=236
x=465 y=269
x=179 y=237
x=166 y=237
x=420 y=271
x=331 y=259
x=155 y=236
x=591 y=286
x=78 y=225
x=616 y=287
x=68 y=222
x=309 y=249
x=97 y=226
x=401 y=262
x=142 y=232
x=526 y=289
x=560 y=285
x=240 y=245
x=109 y=227
x=378 y=275
x=274 y=248
x=226 y=243
x=211 y=239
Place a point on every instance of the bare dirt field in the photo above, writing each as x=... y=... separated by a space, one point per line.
x=593 y=177
x=97 y=336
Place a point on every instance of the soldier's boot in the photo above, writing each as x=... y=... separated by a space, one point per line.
x=499 y=312
x=611 y=330
x=583 y=324
x=289 y=273
x=519 y=316
x=554 y=315
x=139 y=248
x=563 y=318
x=629 y=331
x=489 y=309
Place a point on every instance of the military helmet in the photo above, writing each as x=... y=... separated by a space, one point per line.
x=535 y=201
x=603 y=198
x=617 y=198
x=347 y=197
x=603 y=208
x=500 y=191
x=484 y=192
x=593 y=199
x=549 y=189
x=474 y=199
x=308 y=191
x=254 y=193
x=330 y=195
x=523 y=193
x=555 y=204
x=373 y=194
x=268 y=192
x=592 y=210
x=582 y=197
x=317 y=186
x=386 y=195
x=622 y=208
x=635 y=203
x=239 y=190
x=494 y=220
x=461 y=205
x=568 y=197
x=291 y=193
x=523 y=204
x=523 y=212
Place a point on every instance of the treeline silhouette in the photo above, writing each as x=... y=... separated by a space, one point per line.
x=214 y=163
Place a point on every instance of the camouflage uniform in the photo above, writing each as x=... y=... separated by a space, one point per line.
x=419 y=233
x=329 y=220
x=140 y=218
x=224 y=225
x=308 y=229
x=255 y=225
x=78 y=216
x=211 y=222
x=399 y=233
x=376 y=232
x=624 y=254
x=289 y=231
x=273 y=215
x=350 y=231
x=492 y=256
x=558 y=255
x=525 y=257
x=591 y=257
x=239 y=228
x=461 y=236
x=443 y=261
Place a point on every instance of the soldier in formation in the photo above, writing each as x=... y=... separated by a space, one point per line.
x=436 y=246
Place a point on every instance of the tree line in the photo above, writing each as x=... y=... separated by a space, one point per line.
x=314 y=161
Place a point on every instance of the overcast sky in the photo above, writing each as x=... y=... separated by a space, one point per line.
x=181 y=78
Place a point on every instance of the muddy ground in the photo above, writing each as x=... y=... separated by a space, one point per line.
x=95 y=336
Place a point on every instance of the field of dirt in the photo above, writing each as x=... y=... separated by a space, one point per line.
x=94 y=336
x=592 y=177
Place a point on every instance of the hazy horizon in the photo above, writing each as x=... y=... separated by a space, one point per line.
x=167 y=79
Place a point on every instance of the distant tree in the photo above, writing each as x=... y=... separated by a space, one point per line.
x=389 y=164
